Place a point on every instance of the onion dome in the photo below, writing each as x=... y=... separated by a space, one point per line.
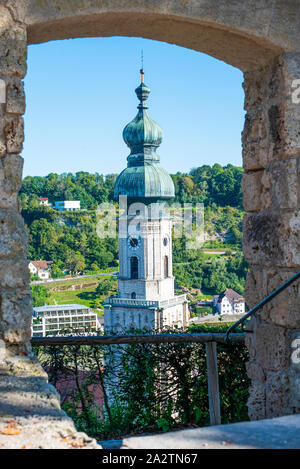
x=142 y=133
x=143 y=178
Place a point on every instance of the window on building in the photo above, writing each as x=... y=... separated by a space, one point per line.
x=166 y=266
x=133 y=295
x=134 y=267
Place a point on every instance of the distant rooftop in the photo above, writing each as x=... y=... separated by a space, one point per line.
x=43 y=309
x=41 y=264
x=232 y=296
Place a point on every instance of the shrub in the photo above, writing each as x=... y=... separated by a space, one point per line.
x=147 y=387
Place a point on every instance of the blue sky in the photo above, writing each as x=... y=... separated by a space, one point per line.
x=80 y=95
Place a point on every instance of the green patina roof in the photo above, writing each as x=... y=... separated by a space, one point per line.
x=147 y=181
x=143 y=178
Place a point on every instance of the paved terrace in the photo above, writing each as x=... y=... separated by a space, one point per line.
x=277 y=433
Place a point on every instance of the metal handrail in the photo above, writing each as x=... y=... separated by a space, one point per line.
x=202 y=337
x=262 y=303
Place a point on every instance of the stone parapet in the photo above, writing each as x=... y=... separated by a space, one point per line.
x=30 y=414
x=271 y=233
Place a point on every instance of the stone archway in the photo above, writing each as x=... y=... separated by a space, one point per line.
x=264 y=43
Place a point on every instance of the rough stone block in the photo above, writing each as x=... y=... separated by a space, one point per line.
x=290 y=108
x=271 y=238
x=2 y=134
x=249 y=339
x=13 y=236
x=15 y=316
x=264 y=85
x=276 y=123
x=13 y=45
x=2 y=145
x=272 y=121
x=257 y=401
x=255 y=372
x=14 y=273
x=257 y=150
x=252 y=190
x=277 y=396
x=280 y=185
x=284 y=309
x=14 y=132
x=255 y=288
x=15 y=103
x=11 y=167
x=271 y=347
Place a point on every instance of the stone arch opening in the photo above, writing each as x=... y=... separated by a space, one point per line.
x=265 y=47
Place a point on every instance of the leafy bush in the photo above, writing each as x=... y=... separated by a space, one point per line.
x=146 y=387
x=40 y=295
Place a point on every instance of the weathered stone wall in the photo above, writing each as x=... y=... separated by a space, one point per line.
x=271 y=190
x=244 y=34
x=15 y=301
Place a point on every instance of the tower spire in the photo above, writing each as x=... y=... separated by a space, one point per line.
x=142 y=71
x=143 y=178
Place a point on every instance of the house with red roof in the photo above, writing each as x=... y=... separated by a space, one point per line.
x=45 y=201
x=40 y=268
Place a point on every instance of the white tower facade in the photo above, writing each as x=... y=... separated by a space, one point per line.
x=146 y=298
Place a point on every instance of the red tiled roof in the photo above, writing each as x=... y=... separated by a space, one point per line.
x=41 y=264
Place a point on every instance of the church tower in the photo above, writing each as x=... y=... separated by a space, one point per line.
x=146 y=298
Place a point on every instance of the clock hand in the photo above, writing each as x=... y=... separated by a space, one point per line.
x=132 y=240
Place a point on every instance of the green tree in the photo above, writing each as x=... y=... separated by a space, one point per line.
x=105 y=286
x=75 y=262
x=40 y=295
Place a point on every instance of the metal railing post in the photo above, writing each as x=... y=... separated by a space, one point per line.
x=213 y=383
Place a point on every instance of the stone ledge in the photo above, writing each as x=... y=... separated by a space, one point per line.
x=36 y=432
x=30 y=413
x=277 y=433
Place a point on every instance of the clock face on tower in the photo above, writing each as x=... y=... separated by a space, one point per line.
x=133 y=243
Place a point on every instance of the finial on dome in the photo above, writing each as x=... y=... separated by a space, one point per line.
x=142 y=71
x=142 y=91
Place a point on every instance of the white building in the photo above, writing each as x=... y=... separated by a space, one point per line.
x=67 y=205
x=45 y=201
x=63 y=319
x=40 y=268
x=229 y=302
x=146 y=297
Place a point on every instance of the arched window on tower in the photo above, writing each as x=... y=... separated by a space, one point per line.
x=133 y=295
x=166 y=266
x=134 y=267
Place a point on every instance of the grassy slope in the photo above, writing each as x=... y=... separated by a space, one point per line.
x=85 y=296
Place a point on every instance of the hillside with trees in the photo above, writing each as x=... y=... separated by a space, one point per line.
x=69 y=239
x=207 y=184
